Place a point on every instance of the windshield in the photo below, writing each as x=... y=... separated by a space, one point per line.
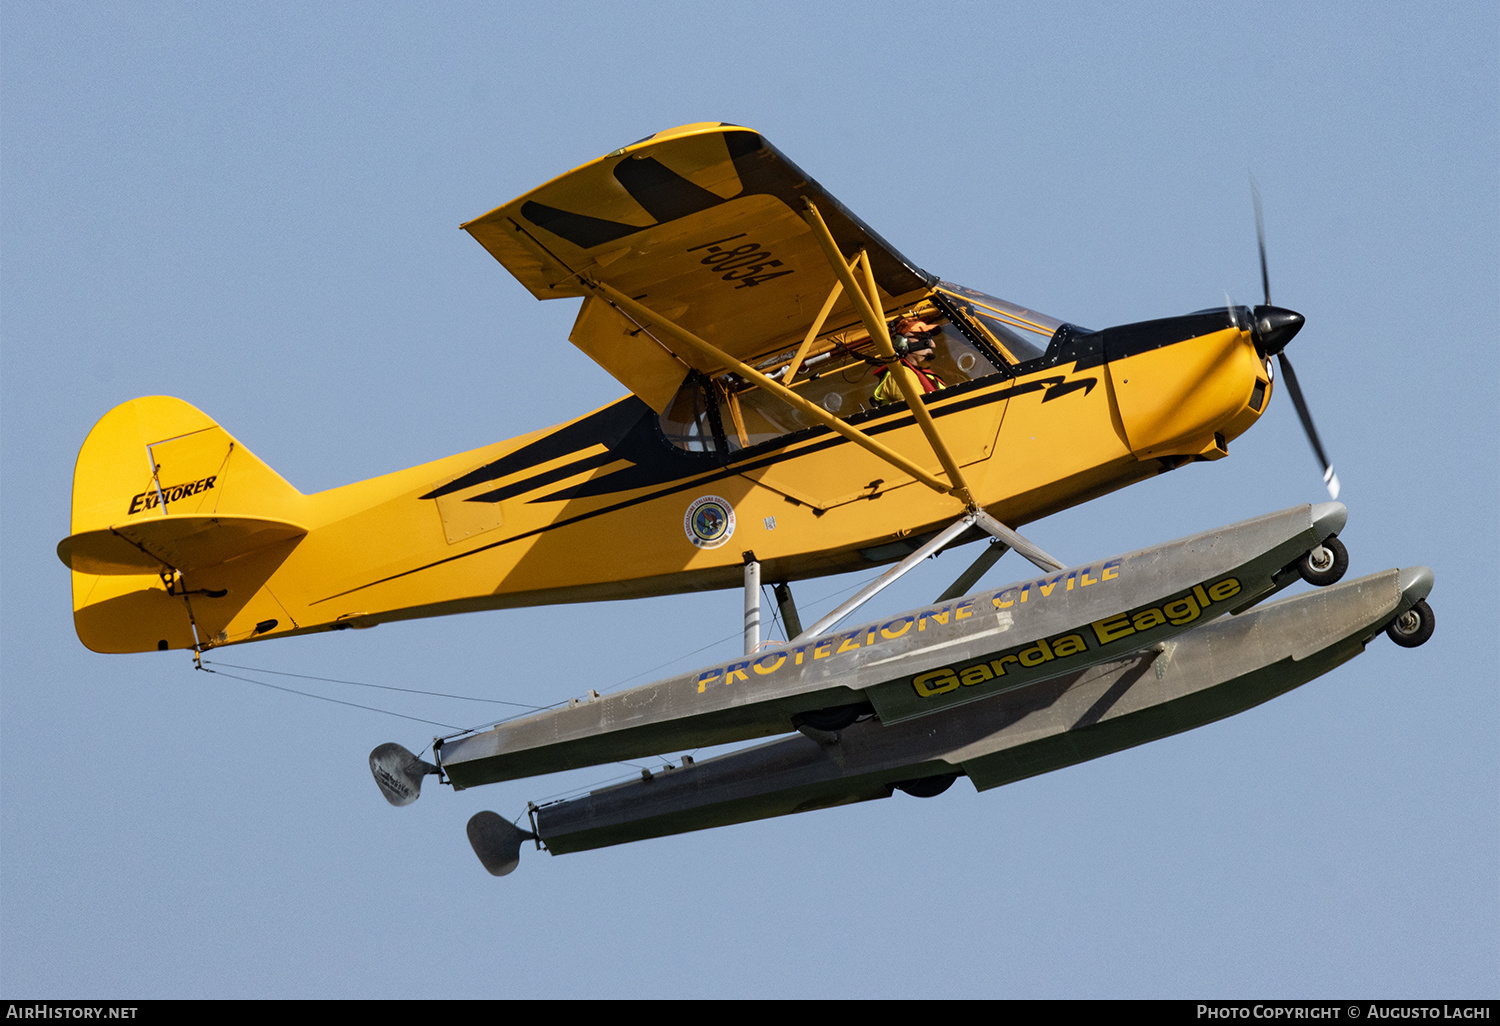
x=1020 y=334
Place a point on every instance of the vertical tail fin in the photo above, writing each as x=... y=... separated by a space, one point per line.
x=163 y=498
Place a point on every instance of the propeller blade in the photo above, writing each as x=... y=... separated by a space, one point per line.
x=1260 y=239
x=1330 y=479
x=1273 y=329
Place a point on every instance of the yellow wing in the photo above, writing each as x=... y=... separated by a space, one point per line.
x=702 y=224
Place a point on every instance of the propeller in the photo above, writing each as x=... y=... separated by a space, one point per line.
x=1272 y=328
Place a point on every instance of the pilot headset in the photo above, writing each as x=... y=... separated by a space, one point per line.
x=905 y=343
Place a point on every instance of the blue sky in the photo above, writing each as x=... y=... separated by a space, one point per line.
x=256 y=209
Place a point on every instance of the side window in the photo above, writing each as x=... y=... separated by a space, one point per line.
x=840 y=375
x=843 y=391
x=687 y=423
x=955 y=359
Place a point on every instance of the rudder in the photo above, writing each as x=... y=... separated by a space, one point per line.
x=160 y=492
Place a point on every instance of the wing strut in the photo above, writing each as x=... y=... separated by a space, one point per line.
x=864 y=303
x=643 y=315
x=817 y=327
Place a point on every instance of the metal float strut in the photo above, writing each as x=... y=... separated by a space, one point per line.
x=974 y=518
x=752 y=604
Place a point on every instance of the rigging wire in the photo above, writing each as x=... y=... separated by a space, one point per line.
x=527 y=708
x=775 y=611
x=325 y=698
x=382 y=687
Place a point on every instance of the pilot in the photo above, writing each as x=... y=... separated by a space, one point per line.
x=915 y=342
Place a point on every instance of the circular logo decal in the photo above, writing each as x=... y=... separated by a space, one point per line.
x=709 y=522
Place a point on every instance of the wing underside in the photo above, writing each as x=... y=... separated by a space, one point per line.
x=704 y=225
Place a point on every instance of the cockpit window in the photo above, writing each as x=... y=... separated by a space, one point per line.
x=840 y=372
x=686 y=422
x=1020 y=334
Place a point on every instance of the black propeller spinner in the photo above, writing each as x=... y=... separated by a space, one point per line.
x=1272 y=329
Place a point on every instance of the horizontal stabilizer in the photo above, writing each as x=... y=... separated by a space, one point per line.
x=184 y=543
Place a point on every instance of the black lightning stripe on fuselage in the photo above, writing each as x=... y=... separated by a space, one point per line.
x=610 y=427
x=626 y=431
x=630 y=423
x=641 y=475
x=645 y=474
